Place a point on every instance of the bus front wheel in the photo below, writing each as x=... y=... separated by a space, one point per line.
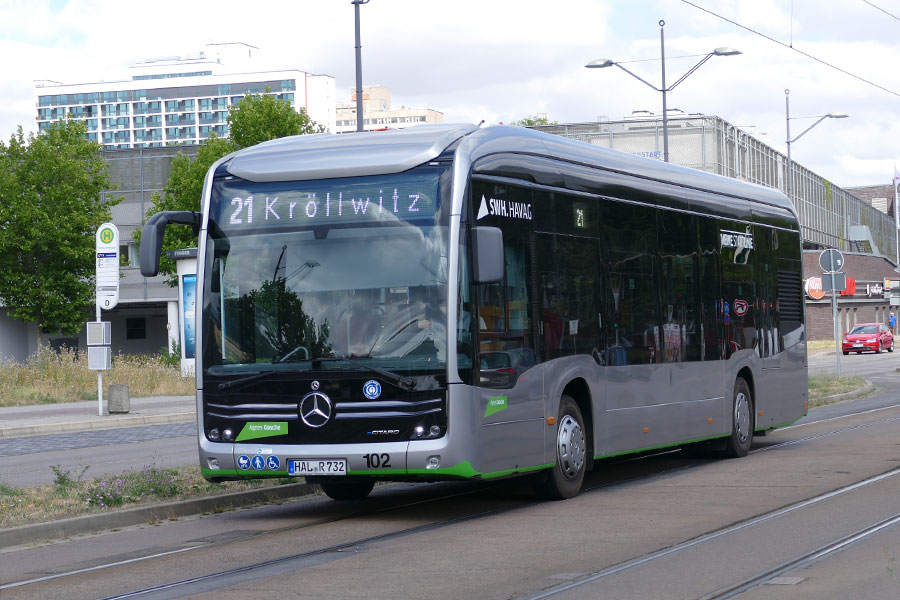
x=354 y=489
x=565 y=478
x=738 y=444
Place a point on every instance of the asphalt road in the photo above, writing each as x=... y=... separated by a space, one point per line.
x=661 y=526
x=27 y=461
x=862 y=365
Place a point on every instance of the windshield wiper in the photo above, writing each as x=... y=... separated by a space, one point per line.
x=407 y=383
x=224 y=387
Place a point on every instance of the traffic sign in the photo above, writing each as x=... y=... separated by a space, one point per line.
x=834 y=282
x=831 y=260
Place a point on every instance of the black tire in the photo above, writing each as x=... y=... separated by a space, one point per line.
x=846 y=353
x=738 y=444
x=891 y=347
x=878 y=349
x=351 y=489
x=564 y=480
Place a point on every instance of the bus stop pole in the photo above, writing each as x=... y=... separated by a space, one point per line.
x=99 y=375
x=837 y=338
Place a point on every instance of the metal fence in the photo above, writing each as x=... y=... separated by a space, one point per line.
x=711 y=144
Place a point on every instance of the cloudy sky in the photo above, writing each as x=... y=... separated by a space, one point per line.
x=501 y=60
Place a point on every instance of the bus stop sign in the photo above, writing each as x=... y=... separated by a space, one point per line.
x=831 y=260
x=107 y=247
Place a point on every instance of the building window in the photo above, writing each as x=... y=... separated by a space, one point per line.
x=136 y=328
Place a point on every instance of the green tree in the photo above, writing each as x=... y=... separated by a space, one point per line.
x=536 y=119
x=262 y=117
x=256 y=118
x=51 y=204
x=183 y=191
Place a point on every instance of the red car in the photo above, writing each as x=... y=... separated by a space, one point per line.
x=868 y=336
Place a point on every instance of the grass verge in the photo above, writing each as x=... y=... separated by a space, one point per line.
x=823 y=386
x=49 y=378
x=73 y=495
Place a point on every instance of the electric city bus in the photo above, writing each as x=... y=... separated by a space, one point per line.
x=455 y=302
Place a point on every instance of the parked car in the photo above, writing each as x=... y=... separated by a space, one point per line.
x=868 y=336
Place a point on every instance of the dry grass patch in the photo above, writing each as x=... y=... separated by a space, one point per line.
x=49 y=378
x=73 y=495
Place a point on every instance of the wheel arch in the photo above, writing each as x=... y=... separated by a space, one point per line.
x=578 y=390
x=746 y=374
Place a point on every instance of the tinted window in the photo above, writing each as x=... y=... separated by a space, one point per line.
x=680 y=286
x=570 y=295
x=738 y=247
x=633 y=327
x=710 y=292
x=504 y=310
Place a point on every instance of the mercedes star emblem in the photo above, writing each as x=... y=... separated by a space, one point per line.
x=315 y=409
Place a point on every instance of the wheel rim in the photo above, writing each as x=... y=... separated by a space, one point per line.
x=742 y=416
x=570 y=447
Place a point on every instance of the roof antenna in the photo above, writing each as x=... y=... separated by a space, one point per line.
x=480 y=123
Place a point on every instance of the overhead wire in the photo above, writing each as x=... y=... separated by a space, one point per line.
x=791 y=47
x=893 y=16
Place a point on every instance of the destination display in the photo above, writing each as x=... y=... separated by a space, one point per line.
x=247 y=205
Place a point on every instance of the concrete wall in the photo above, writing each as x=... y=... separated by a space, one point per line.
x=18 y=340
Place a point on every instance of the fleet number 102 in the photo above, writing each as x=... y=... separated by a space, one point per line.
x=377 y=461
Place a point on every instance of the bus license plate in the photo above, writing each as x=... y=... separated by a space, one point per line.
x=317 y=466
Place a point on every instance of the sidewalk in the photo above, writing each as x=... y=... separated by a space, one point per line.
x=19 y=421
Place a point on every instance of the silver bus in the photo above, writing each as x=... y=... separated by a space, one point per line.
x=454 y=302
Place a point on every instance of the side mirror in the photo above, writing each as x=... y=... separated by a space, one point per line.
x=152 y=236
x=489 y=256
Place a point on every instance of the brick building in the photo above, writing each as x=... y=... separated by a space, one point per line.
x=867 y=303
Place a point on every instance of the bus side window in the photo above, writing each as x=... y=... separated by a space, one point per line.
x=570 y=295
x=680 y=286
x=504 y=329
x=633 y=334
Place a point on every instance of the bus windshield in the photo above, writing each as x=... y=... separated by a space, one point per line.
x=298 y=272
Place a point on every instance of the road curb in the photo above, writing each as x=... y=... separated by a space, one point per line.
x=96 y=424
x=64 y=528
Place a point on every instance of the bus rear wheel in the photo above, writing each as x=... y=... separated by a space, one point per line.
x=565 y=478
x=738 y=444
x=354 y=489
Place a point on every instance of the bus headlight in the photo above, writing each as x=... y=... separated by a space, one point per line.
x=433 y=462
x=213 y=434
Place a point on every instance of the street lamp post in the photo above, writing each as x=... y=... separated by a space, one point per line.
x=790 y=195
x=602 y=63
x=359 y=93
x=787 y=120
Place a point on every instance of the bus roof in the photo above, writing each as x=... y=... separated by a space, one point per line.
x=324 y=156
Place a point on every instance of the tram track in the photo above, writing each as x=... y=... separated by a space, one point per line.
x=292 y=562
x=760 y=578
x=801 y=561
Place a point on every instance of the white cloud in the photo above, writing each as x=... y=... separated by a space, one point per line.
x=501 y=61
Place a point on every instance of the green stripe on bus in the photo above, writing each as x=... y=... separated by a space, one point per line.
x=660 y=446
